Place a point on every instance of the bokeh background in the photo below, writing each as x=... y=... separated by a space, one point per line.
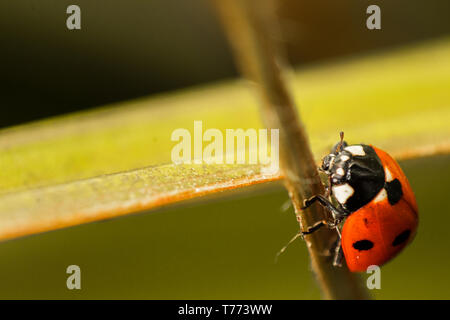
x=220 y=247
x=127 y=49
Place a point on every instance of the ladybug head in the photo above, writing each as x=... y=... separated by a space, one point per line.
x=328 y=161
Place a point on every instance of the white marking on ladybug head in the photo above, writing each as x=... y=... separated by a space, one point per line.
x=340 y=172
x=381 y=196
x=388 y=175
x=333 y=159
x=345 y=158
x=355 y=150
x=342 y=192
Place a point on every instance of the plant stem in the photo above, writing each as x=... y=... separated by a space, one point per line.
x=249 y=26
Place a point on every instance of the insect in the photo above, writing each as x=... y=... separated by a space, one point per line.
x=374 y=200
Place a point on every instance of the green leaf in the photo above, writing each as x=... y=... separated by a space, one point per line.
x=116 y=160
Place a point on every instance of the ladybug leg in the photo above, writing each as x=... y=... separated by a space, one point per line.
x=319 y=224
x=316 y=226
x=310 y=230
x=337 y=213
x=328 y=188
x=299 y=234
x=338 y=254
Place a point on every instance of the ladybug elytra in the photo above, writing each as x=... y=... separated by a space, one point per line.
x=374 y=200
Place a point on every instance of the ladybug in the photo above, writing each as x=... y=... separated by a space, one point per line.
x=373 y=199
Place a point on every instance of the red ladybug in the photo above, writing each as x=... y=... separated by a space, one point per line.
x=374 y=198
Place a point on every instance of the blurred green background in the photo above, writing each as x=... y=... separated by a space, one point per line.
x=221 y=249
x=130 y=48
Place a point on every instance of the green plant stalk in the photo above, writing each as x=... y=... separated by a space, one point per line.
x=247 y=23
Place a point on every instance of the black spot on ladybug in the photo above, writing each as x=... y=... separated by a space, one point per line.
x=362 y=245
x=402 y=237
x=394 y=191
